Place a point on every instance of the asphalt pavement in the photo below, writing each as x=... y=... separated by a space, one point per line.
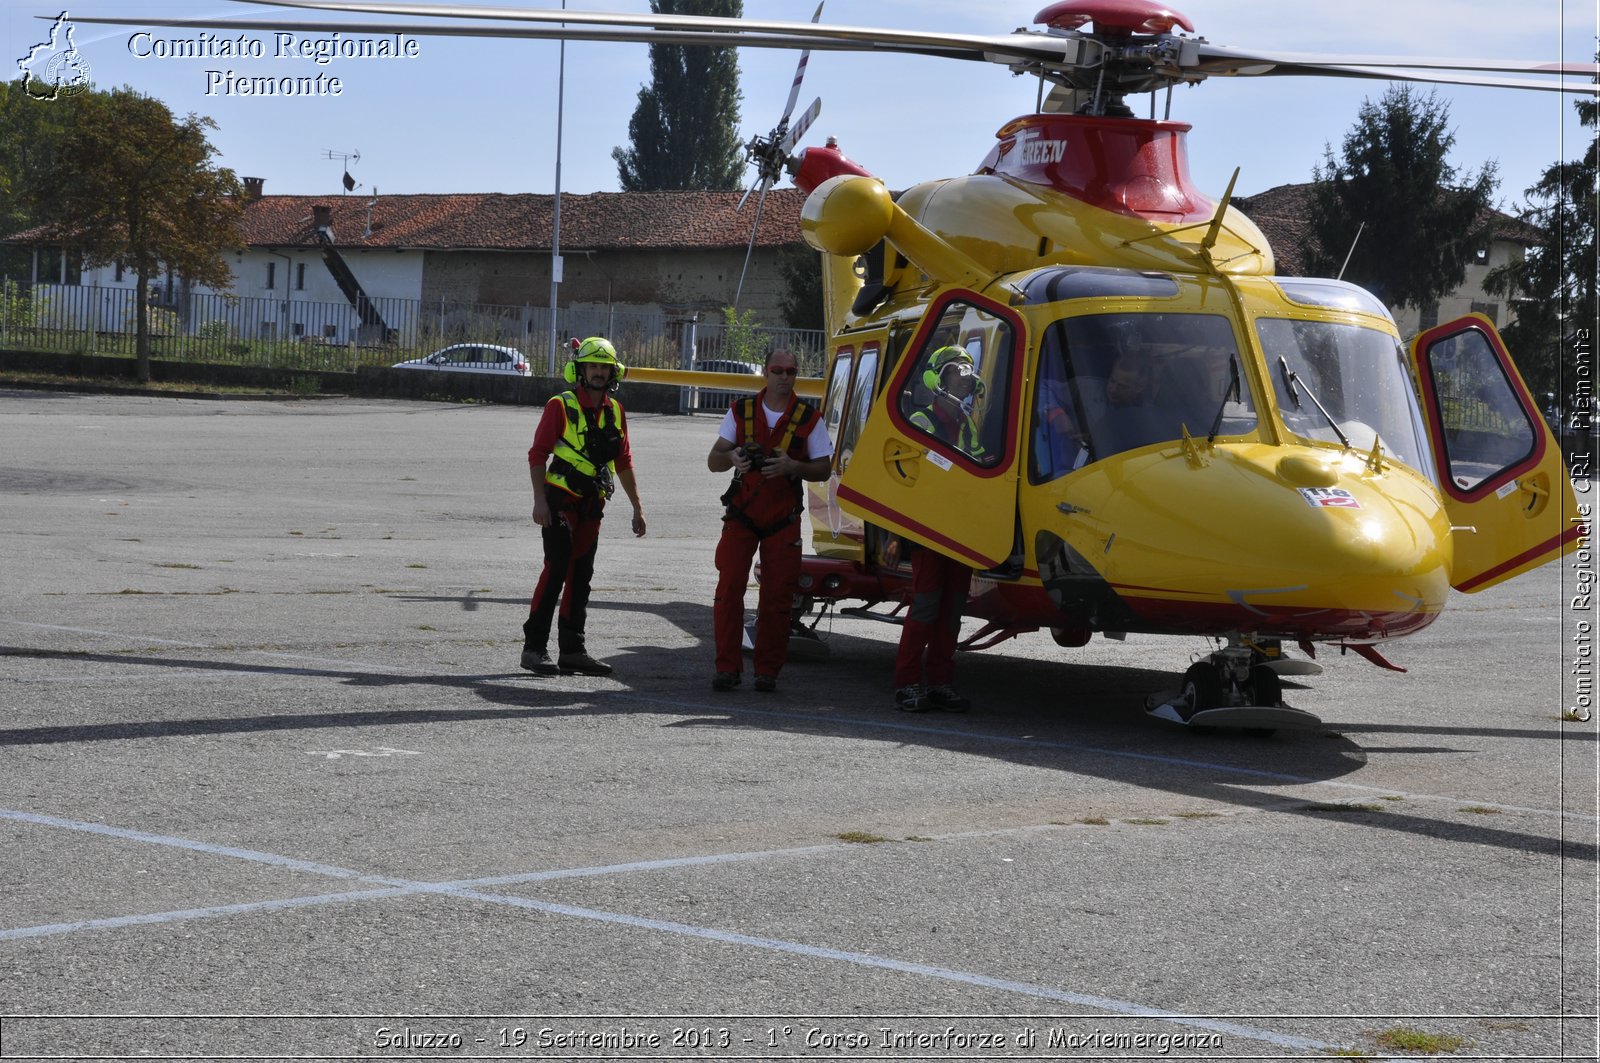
x=272 y=785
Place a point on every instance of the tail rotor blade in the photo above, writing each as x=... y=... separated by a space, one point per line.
x=749 y=250
x=799 y=75
x=746 y=196
x=801 y=124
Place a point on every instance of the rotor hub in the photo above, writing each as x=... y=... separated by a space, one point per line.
x=1113 y=18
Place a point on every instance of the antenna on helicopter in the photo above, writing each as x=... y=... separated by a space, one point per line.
x=346 y=158
x=1346 y=263
x=771 y=154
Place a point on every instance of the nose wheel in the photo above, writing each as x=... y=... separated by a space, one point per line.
x=1233 y=690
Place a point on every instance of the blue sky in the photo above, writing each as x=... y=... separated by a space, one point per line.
x=480 y=115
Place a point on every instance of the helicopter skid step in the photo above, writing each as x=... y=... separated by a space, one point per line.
x=804 y=644
x=1284 y=666
x=1234 y=717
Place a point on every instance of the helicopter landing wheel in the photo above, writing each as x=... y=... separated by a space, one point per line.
x=1265 y=687
x=1202 y=688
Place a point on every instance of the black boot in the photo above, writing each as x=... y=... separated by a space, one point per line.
x=574 y=660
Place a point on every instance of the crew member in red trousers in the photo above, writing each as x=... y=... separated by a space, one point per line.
x=772 y=441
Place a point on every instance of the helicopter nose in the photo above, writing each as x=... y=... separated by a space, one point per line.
x=1304 y=541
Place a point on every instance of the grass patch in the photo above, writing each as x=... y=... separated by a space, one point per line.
x=917 y=838
x=860 y=837
x=1339 y=806
x=426 y=627
x=1572 y=716
x=1094 y=821
x=416 y=564
x=1480 y=810
x=174 y=564
x=1406 y=1039
x=1148 y=822
x=1391 y=797
x=156 y=386
x=1361 y=1053
x=1198 y=815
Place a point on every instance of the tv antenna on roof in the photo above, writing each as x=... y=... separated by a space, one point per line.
x=345 y=157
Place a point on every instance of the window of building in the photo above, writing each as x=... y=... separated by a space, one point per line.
x=272 y=275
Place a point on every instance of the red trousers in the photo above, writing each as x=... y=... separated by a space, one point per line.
x=569 y=548
x=780 y=577
x=932 y=627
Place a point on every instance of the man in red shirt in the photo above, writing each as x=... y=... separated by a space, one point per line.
x=772 y=441
x=582 y=437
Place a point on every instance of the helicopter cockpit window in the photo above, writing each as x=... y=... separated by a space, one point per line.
x=1330 y=295
x=1344 y=384
x=1112 y=382
x=1080 y=282
x=1486 y=430
x=959 y=382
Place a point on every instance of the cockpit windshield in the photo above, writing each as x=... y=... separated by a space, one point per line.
x=1113 y=382
x=1344 y=384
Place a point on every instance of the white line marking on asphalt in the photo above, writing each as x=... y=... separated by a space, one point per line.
x=465 y=891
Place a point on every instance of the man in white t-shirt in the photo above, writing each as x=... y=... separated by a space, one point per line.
x=772 y=441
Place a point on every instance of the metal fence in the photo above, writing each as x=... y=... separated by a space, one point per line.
x=287 y=333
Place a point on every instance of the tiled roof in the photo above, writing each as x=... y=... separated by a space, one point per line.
x=523 y=221
x=1283 y=216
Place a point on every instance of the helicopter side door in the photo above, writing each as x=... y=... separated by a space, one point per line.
x=1502 y=474
x=946 y=477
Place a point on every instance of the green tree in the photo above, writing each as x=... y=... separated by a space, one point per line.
x=800 y=299
x=684 y=131
x=131 y=184
x=1423 y=219
x=31 y=133
x=1554 y=285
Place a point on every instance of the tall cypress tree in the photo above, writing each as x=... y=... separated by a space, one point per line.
x=1424 y=220
x=684 y=131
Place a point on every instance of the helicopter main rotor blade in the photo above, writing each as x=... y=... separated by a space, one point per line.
x=1149 y=63
x=550 y=33
x=801 y=124
x=806 y=34
x=1427 y=76
x=1215 y=59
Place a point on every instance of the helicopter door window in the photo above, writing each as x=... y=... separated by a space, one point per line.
x=860 y=404
x=955 y=393
x=1486 y=430
x=838 y=392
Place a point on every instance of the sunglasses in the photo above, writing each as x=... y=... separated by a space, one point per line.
x=788 y=370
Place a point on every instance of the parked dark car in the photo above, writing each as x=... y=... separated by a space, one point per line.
x=708 y=399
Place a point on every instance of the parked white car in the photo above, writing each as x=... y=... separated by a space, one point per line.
x=473 y=358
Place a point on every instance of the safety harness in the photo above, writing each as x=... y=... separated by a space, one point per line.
x=580 y=460
x=745 y=412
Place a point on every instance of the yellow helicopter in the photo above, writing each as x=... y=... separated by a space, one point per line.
x=1170 y=438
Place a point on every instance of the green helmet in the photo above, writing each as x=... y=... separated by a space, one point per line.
x=944 y=358
x=595 y=350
